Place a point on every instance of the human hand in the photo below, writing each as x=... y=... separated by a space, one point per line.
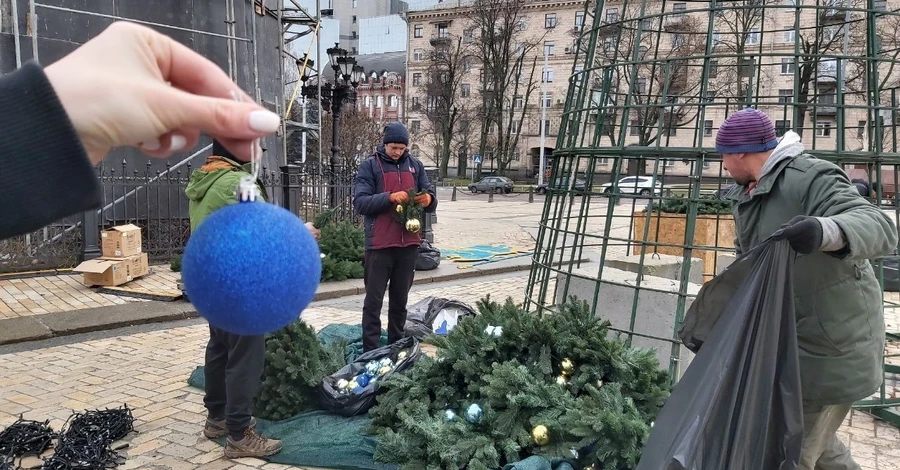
x=804 y=234
x=133 y=86
x=313 y=230
x=423 y=200
x=398 y=197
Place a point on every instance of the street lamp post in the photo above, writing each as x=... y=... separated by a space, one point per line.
x=347 y=75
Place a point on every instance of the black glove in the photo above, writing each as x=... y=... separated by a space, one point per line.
x=804 y=234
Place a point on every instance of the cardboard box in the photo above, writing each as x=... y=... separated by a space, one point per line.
x=113 y=272
x=121 y=242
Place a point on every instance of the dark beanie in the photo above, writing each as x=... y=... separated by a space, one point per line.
x=219 y=150
x=396 y=133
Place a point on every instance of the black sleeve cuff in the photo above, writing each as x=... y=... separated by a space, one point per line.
x=47 y=173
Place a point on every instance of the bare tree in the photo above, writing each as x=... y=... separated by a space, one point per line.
x=445 y=93
x=508 y=78
x=359 y=134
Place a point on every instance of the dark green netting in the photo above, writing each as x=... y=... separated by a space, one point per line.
x=320 y=439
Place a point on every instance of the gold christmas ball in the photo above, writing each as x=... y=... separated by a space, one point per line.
x=384 y=370
x=568 y=366
x=562 y=380
x=413 y=225
x=399 y=209
x=540 y=435
x=401 y=355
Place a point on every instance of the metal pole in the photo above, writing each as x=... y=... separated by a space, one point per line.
x=303 y=103
x=16 y=39
x=337 y=98
x=543 y=119
x=34 y=33
x=229 y=30
x=319 y=93
x=255 y=50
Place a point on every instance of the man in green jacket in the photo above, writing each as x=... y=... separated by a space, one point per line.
x=234 y=363
x=838 y=301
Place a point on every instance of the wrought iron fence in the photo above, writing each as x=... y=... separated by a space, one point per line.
x=154 y=199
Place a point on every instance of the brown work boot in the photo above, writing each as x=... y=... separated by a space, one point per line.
x=252 y=445
x=215 y=429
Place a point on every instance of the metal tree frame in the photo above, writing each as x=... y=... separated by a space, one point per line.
x=652 y=80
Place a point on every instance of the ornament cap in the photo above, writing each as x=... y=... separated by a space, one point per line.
x=248 y=190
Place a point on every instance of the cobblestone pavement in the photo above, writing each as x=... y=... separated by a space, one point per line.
x=149 y=371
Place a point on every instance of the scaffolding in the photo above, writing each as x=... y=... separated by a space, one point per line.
x=638 y=222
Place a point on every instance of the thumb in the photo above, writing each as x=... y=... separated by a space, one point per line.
x=219 y=117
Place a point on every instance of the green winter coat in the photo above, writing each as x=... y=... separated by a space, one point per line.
x=838 y=300
x=214 y=186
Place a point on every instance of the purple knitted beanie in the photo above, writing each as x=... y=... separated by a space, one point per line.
x=746 y=131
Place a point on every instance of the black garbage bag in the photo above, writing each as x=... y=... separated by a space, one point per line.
x=435 y=316
x=429 y=257
x=891 y=269
x=738 y=405
x=359 y=400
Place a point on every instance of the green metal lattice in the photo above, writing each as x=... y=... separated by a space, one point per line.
x=652 y=80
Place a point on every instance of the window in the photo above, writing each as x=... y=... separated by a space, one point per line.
x=443 y=30
x=549 y=47
x=546 y=126
x=353 y=50
x=710 y=96
x=669 y=163
x=392 y=101
x=823 y=129
x=785 y=96
x=547 y=100
x=380 y=102
x=418 y=55
x=787 y=66
x=417 y=79
x=468 y=36
x=467 y=65
x=579 y=20
x=518 y=102
x=827 y=98
x=861 y=129
x=677 y=40
x=415 y=126
x=548 y=74
x=517 y=154
x=879 y=5
x=707 y=128
x=781 y=127
x=418 y=30
x=789 y=35
x=713 y=68
x=647 y=23
x=716 y=37
x=550 y=20
x=753 y=36
x=354 y=35
x=355 y=2
x=465 y=90
x=416 y=104
x=609 y=44
x=516 y=127
x=634 y=127
x=612 y=15
x=642 y=85
x=354 y=19
x=368 y=101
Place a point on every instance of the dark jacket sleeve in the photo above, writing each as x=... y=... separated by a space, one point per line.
x=46 y=172
x=366 y=199
x=425 y=185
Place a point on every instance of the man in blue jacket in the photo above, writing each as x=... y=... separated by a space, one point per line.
x=381 y=185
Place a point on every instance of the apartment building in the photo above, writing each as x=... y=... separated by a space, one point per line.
x=350 y=14
x=664 y=79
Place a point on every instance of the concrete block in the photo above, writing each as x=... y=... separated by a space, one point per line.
x=723 y=262
x=658 y=265
x=657 y=302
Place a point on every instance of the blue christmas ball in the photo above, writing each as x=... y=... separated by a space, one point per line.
x=251 y=268
x=362 y=380
x=473 y=413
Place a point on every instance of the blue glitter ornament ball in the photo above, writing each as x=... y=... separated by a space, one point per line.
x=251 y=268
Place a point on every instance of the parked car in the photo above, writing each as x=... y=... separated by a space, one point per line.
x=562 y=184
x=643 y=185
x=492 y=184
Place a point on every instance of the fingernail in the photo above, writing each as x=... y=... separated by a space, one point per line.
x=179 y=142
x=152 y=144
x=264 y=121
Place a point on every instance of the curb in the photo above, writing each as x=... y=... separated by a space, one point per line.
x=59 y=324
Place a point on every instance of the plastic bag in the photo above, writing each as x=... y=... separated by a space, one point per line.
x=429 y=257
x=435 y=316
x=359 y=400
x=738 y=405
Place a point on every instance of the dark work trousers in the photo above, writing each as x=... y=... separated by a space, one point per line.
x=234 y=367
x=396 y=266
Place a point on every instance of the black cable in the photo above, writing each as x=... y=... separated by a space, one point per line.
x=24 y=437
x=85 y=445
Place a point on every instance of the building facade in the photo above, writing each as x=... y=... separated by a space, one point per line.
x=350 y=13
x=665 y=75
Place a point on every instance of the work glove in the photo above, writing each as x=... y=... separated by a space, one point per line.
x=423 y=200
x=398 y=197
x=803 y=233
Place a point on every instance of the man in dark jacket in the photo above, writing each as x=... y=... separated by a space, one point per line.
x=838 y=301
x=381 y=185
